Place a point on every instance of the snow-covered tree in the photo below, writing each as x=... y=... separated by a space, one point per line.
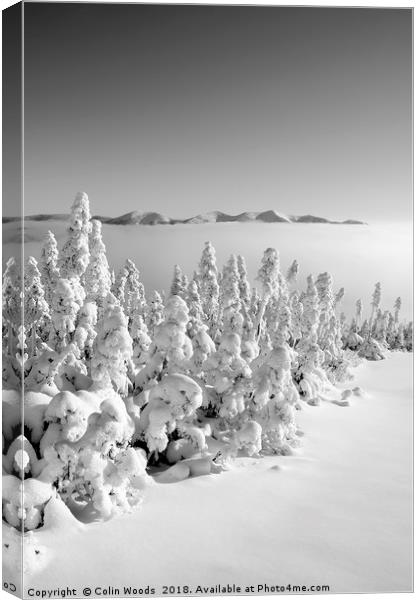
x=85 y=332
x=274 y=400
x=141 y=342
x=170 y=415
x=67 y=300
x=231 y=319
x=296 y=310
x=112 y=347
x=397 y=307
x=326 y=306
x=133 y=298
x=97 y=276
x=36 y=310
x=171 y=349
x=209 y=287
x=375 y=304
x=244 y=286
x=230 y=375
x=48 y=265
x=86 y=448
x=155 y=312
x=358 y=315
x=292 y=273
x=12 y=306
x=74 y=256
x=177 y=289
x=268 y=276
x=408 y=337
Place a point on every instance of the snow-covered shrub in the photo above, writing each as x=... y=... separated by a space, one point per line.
x=230 y=375
x=274 y=399
x=170 y=415
x=89 y=439
x=171 y=349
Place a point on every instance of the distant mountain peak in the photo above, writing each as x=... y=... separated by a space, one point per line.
x=136 y=217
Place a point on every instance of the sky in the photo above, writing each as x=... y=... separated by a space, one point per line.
x=187 y=109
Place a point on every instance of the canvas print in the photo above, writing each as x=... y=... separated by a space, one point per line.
x=207 y=300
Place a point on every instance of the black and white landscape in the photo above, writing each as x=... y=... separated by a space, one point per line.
x=216 y=348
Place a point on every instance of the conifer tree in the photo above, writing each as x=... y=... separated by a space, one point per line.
x=36 y=310
x=12 y=306
x=112 y=347
x=178 y=287
x=155 y=312
x=48 y=265
x=74 y=256
x=98 y=281
x=209 y=287
x=244 y=287
x=292 y=273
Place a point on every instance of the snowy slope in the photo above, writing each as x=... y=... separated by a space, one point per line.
x=337 y=514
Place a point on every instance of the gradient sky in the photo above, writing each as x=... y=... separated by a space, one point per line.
x=185 y=109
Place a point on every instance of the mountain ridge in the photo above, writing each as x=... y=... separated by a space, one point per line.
x=216 y=216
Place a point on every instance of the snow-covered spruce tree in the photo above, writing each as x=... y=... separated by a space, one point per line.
x=292 y=273
x=85 y=332
x=255 y=306
x=296 y=310
x=358 y=315
x=382 y=328
x=178 y=287
x=168 y=396
x=329 y=332
x=209 y=287
x=309 y=375
x=268 y=276
x=74 y=256
x=112 y=348
x=397 y=307
x=408 y=337
x=171 y=348
x=230 y=375
x=141 y=342
x=168 y=424
x=244 y=286
x=352 y=339
x=133 y=297
x=97 y=277
x=326 y=305
x=154 y=313
x=67 y=299
x=86 y=451
x=274 y=399
x=375 y=304
x=36 y=310
x=231 y=319
x=196 y=312
x=371 y=349
x=12 y=307
x=250 y=346
x=391 y=332
x=338 y=298
x=48 y=265
x=202 y=344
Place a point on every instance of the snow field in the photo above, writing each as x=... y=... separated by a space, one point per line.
x=337 y=513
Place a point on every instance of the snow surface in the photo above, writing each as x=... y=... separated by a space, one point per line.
x=337 y=513
x=356 y=256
